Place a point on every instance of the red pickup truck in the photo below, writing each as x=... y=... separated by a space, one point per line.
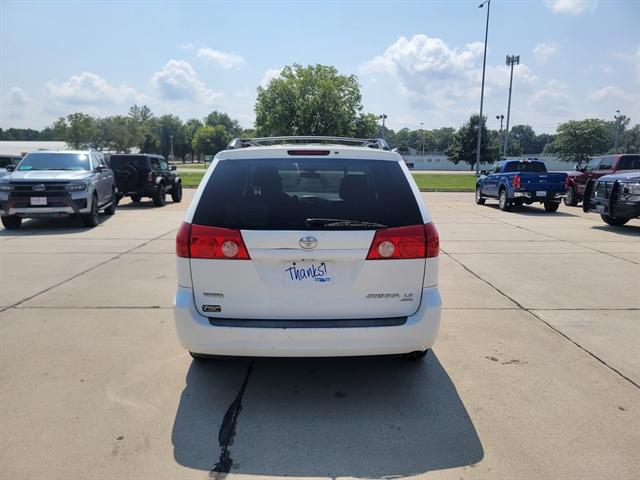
x=596 y=168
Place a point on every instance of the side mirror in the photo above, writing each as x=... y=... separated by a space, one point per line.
x=11 y=168
x=483 y=172
x=172 y=167
x=100 y=169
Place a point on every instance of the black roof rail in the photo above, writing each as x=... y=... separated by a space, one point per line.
x=262 y=141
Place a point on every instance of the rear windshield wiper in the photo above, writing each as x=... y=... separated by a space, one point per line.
x=339 y=222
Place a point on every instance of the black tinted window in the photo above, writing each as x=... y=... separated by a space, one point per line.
x=141 y=161
x=537 y=167
x=606 y=163
x=274 y=194
x=630 y=162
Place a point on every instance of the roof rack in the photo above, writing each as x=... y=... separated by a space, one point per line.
x=262 y=141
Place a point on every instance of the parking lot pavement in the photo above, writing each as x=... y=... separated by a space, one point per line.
x=535 y=373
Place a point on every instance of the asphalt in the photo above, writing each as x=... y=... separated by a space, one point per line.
x=535 y=372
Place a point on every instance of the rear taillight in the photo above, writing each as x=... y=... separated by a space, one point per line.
x=516 y=182
x=433 y=240
x=416 y=241
x=151 y=177
x=197 y=241
x=566 y=181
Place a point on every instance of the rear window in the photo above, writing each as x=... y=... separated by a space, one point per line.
x=281 y=194
x=630 y=162
x=141 y=161
x=536 y=167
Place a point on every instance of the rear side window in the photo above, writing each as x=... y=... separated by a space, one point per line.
x=606 y=163
x=281 y=194
x=630 y=162
x=536 y=167
x=139 y=161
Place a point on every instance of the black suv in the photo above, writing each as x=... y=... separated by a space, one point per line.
x=615 y=197
x=144 y=175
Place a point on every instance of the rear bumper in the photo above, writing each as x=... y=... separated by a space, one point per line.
x=550 y=196
x=199 y=336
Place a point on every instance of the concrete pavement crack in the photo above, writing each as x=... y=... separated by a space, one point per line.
x=227 y=431
x=533 y=314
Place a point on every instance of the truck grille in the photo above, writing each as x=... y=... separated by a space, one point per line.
x=34 y=189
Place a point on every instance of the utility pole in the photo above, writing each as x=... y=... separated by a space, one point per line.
x=484 y=65
x=501 y=118
x=171 y=156
x=422 y=128
x=511 y=60
x=616 y=125
x=383 y=117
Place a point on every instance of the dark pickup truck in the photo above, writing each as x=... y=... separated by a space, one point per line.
x=615 y=197
x=518 y=182
x=596 y=168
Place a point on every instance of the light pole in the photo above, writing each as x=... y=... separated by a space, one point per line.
x=616 y=125
x=484 y=65
x=511 y=60
x=501 y=118
x=422 y=128
x=383 y=117
x=171 y=146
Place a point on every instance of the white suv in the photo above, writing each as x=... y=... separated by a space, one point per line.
x=321 y=248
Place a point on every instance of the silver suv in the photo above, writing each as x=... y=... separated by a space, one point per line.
x=57 y=183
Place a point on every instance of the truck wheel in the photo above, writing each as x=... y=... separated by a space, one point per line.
x=503 y=201
x=570 y=197
x=136 y=198
x=551 y=206
x=479 y=199
x=111 y=209
x=90 y=220
x=176 y=193
x=159 y=197
x=11 y=222
x=615 y=221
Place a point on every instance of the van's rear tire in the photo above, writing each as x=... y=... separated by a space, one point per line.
x=11 y=222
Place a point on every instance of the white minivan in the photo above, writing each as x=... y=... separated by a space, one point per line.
x=307 y=247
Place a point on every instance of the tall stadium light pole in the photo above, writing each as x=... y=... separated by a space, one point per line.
x=422 y=128
x=484 y=65
x=383 y=117
x=501 y=118
x=617 y=119
x=511 y=60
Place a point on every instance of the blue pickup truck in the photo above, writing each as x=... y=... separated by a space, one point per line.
x=518 y=182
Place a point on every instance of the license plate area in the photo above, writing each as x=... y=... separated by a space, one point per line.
x=38 y=201
x=541 y=193
x=308 y=274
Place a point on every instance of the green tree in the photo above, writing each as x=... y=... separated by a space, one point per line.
x=209 y=140
x=218 y=118
x=311 y=100
x=366 y=126
x=525 y=137
x=464 y=146
x=442 y=138
x=577 y=140
x=79 y=130
x=631 y=141
x=191 y=126
x=170 y=131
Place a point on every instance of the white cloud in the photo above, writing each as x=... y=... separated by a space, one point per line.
x=16 y=97
x=88 y=88
x=270 y=75
x=433 y=75
x=178 y=81
x=612 y=93
x=222 y=59
x=543 y=51
x=572 y=7
x=187 y=47
x=552 y=100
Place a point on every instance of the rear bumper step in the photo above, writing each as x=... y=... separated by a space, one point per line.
x=349 y=323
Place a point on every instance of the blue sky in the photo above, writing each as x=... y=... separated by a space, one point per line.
x=417 y=61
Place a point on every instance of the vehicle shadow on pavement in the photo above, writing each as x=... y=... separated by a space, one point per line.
x=51 y=226
x=533 y=210
x=627 y=230
x=357 y=417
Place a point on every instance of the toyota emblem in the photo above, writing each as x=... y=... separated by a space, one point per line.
x=308 y=243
